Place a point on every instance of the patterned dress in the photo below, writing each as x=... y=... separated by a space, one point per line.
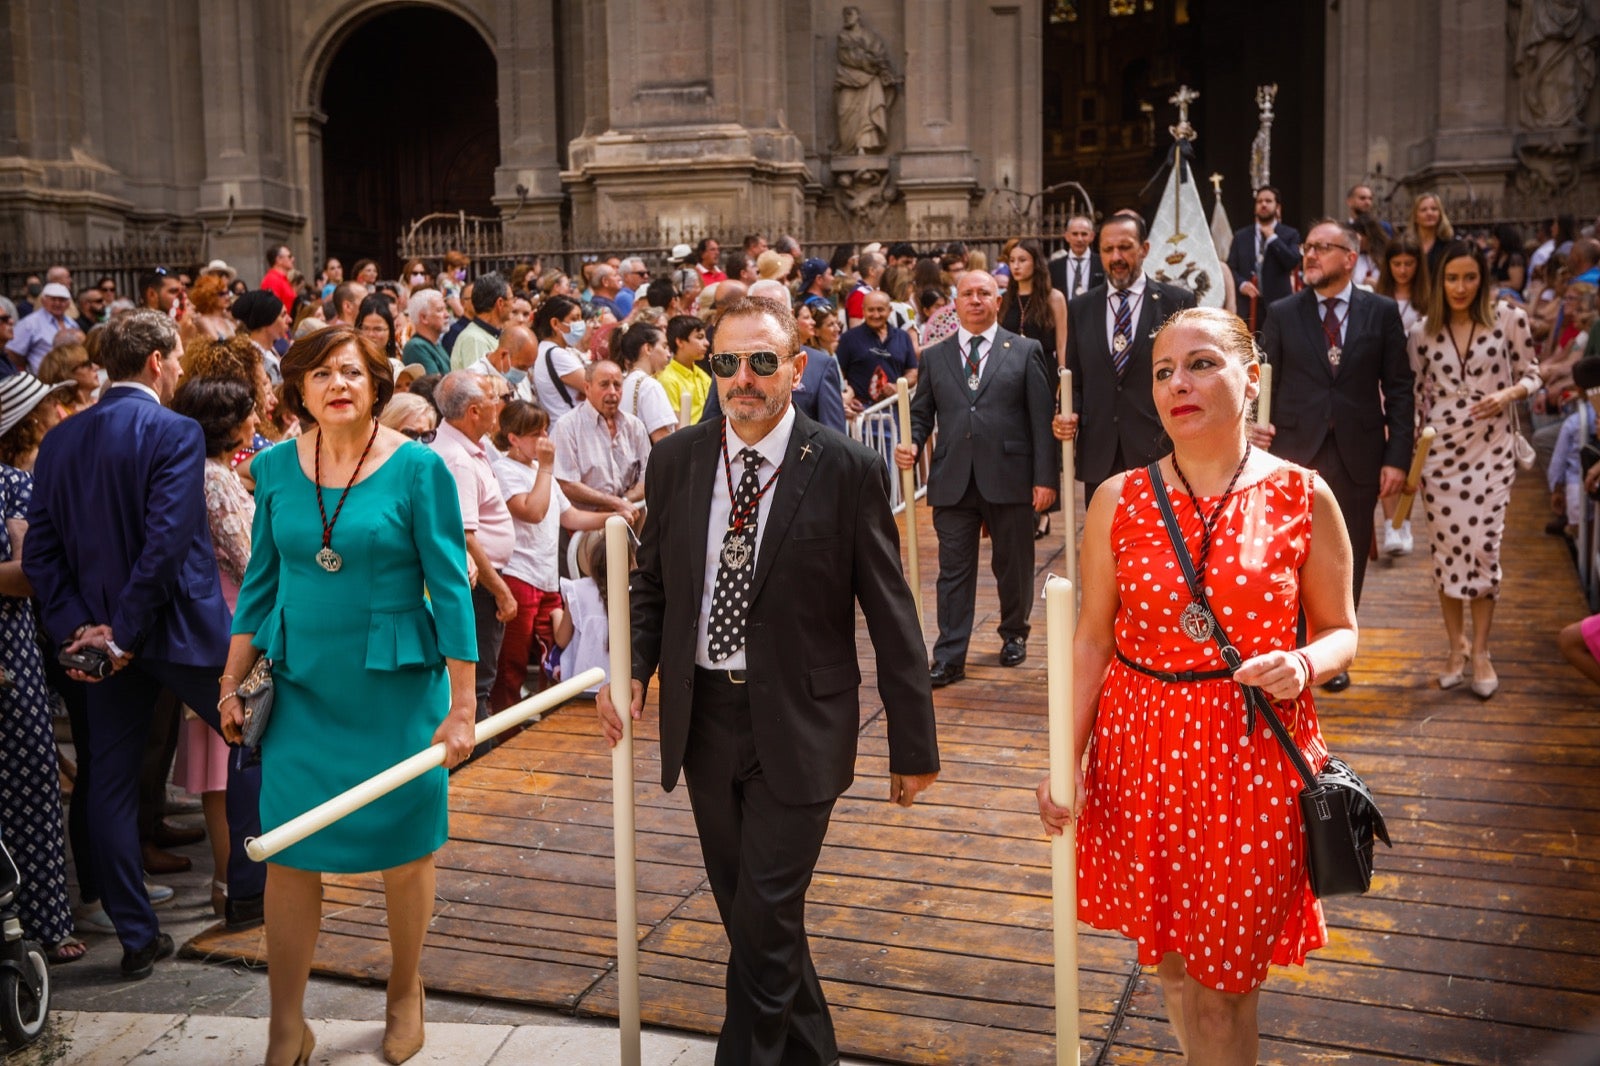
x=1191 y=839
x=202 y=762
x=30 y=785
x=1466 y=481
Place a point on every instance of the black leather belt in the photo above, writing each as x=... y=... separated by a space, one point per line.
x=726 y=677
x=1178 y=678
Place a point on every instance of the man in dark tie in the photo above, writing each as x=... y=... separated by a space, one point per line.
x=994 y=465
x=765 y=531
x=1079 y=270
x=1341 y=388
x=1110 y=331
x=120 y=556
x=1263 y=258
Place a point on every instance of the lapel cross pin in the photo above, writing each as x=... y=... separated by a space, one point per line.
x=805 y=452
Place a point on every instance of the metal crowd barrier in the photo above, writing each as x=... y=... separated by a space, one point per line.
x=877 y=428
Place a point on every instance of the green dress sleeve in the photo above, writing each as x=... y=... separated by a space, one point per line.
x=441 y=545
x=258 y=593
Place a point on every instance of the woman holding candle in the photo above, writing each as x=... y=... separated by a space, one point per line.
x=1201 y=858
x=365 y=614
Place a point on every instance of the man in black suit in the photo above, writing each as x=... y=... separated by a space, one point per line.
x=994 y=464
x=1264 y=257
x=1079 y=270
x=1109 y=335
x=765 y=531
x=1341 y=385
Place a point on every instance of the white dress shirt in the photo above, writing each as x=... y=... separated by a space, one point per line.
x=773 y=447
x=964 y=339
x=1135 y=298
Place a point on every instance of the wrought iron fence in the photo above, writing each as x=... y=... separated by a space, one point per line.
x=124 y=262
x=491 y=247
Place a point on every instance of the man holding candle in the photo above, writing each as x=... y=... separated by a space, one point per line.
x=764 y=532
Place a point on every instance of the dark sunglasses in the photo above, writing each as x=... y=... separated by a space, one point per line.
x=421 y=436
x=5 y=318
x=762 y=364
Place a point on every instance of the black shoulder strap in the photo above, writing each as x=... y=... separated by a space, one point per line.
x=555 y=379
x=1255 y=700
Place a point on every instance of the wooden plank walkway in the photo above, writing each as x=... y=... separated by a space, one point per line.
x=930 y=927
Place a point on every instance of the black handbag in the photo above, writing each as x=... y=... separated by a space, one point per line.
x=1342 y=820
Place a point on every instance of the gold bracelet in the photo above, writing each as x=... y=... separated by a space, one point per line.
x=226 y=677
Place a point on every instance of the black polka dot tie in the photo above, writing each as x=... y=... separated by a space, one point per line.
x=736 y=568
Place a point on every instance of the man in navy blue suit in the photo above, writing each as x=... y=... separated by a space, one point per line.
x=120 y=555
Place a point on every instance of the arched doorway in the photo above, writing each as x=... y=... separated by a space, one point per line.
x=413 y=127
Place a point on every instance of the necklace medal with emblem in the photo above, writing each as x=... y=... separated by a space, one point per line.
x=1119 y=344
x=738 y=543
x=1196 y=622
x=327 y=558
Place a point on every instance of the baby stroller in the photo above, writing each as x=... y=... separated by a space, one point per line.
x=24 y=973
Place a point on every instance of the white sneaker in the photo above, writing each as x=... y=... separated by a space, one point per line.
x=1397 y=542
x=92 y=918
x=158 y=893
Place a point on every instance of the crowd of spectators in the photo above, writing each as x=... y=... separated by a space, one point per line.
x=545 y=391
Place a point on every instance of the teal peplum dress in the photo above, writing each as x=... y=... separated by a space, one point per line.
x=359 y=655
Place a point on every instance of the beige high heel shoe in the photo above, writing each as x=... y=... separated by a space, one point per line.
x=1455 y=668
x=308 y=1044
x=1483 y=688
x=398 y=1049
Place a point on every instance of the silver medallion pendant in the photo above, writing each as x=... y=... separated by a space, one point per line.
x=329 y=560
x=736 y=552
x=1119 y=343
x=1334 y=354
x=1197 y=623
x=972 y=383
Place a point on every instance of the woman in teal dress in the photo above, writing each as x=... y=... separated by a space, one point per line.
x=357 y=592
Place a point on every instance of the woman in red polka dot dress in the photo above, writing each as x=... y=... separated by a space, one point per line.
x=1190 y=839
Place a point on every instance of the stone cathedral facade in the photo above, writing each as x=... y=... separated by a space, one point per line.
x=339 y=122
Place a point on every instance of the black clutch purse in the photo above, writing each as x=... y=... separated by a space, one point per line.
x=255 y=692
x=1342 y=821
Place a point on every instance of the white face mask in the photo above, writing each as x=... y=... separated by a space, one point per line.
x=576 y=331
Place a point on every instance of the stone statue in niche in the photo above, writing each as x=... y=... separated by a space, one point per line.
x=1555 y=61
x=864 y=88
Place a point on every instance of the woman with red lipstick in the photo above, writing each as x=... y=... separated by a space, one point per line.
x=1474 y=361
x=1190 y=839
x=365 y=614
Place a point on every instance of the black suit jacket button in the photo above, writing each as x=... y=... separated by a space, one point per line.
x=1116 y=418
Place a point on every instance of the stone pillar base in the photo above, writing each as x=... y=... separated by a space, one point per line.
x=686 y=182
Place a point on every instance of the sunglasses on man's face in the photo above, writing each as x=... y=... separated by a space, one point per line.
x=421 y=436
x=762 y=364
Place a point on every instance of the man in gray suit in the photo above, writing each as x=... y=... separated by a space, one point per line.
x=994 y=464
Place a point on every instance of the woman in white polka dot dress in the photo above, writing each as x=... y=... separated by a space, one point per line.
x=1190 y=839
x=1473 y=359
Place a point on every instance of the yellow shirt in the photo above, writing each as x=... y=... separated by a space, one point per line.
x=677 y=378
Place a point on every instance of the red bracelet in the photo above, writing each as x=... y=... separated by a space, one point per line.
x=1306 y=661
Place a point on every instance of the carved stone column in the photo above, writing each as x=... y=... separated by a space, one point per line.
x=689 y=135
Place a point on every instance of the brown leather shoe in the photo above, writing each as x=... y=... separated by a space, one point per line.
x=168 y=835
x=157 y=861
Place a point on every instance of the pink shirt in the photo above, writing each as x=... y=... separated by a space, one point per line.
x=483 y=509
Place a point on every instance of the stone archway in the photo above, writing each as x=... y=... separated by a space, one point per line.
x=399 y=119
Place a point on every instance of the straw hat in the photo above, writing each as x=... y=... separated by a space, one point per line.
x=20 y=394
x=775 y=265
